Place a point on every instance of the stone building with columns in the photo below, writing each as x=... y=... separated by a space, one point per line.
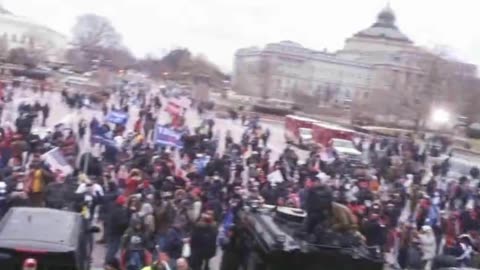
x=21 y=32
x=379 y=71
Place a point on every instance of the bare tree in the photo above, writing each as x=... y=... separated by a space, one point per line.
x=96 y=41
x=179 y=63
x=77 y=59
x=469 y=94
x=21 y=56
x=92 y=32
x=439 y=81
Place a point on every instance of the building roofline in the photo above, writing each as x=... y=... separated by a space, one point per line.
x=14 y=19
x=383 y=37
x=309 y=55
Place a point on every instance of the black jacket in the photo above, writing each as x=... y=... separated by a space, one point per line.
x=203 y=240
x=118 y=220
x=56 y=195
x=174 y=243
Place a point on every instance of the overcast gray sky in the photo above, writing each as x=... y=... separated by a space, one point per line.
x=216 y=28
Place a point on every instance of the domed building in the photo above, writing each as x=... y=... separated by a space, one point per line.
x=20 y=32
x=382 y=36
x=379 y=70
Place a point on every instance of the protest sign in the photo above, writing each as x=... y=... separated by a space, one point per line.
x=168 y=136
x=117 y=117
x=57 y=162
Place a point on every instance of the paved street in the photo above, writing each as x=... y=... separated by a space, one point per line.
x=60 y=113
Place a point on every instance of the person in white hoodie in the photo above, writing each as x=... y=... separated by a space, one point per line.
x=428 y=246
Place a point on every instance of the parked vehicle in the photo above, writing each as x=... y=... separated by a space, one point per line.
x=55 y=239
x=346 y=150
x=298 y=130
x=323 y=133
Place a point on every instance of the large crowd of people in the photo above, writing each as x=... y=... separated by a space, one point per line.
x=173 y=206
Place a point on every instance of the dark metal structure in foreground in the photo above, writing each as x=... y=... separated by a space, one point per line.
x=277 y=243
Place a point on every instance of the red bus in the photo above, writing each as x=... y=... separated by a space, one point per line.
x=323 y=133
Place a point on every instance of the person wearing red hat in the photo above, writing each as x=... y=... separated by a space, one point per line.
x=30 y=264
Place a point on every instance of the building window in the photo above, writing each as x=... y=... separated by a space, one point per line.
x=365 y=94
x=14 y=38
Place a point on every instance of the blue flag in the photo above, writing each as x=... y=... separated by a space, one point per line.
x=168 y=136
x=104 y=140
x=117 y=117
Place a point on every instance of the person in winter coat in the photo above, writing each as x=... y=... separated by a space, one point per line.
x=195 y=208
x=164 y=213
x=134 y=245
x=428 y=245
x=148 y=221
x=342 y=218
x=56 y=193
x=203 y=242
x=174 y=241
x=45 y=113
x=108 y=201
x=137 y=127
x=82 y=128
x=234 y=248
x=117 y=223
x=133 y=182
x=105 y=109
x=37 y=181
x=374 y=231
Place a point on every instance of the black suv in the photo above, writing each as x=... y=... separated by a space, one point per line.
x=56 y=239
